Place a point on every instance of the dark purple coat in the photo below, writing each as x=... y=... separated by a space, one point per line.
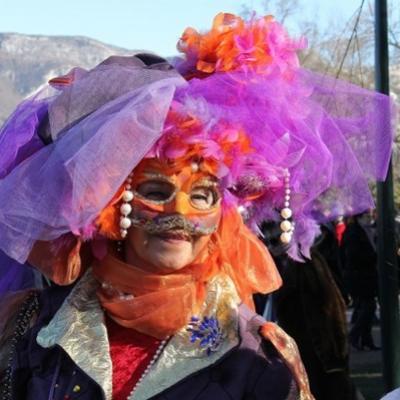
x=252 y=370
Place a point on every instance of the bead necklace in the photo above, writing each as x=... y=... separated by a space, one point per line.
x=29 y=307
x=151 y=363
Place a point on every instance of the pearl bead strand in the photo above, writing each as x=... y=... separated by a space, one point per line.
x=125 y=209
x=149 y=366
x=286 y=226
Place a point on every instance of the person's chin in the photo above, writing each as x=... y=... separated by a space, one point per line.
x=170 y=254
x=169 y=263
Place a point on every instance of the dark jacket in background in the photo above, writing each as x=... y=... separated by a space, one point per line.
x=310 y=308
x=359 y=262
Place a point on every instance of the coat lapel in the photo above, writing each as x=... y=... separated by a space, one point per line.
x=79 y=328
x=181 y=357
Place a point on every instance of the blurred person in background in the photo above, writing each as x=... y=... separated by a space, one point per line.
x=311 y=308
x=359 y=260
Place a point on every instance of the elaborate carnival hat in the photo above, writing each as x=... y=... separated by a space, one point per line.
x=288 y=144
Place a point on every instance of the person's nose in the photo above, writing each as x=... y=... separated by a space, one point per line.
x=181 y=203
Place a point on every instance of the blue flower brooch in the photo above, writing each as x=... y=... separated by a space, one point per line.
x=206 y=333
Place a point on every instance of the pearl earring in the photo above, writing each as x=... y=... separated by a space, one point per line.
x=126 y=208
x=286 y=226
x=194 y=165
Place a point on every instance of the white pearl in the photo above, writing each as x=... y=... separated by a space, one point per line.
x=286 y=237
x=126 y=209
x=194 y=166
x=127 y=195
x=287 y=197
x=287 y=191
x=125 y=223
x=147 y=370
x=286 y=204
x=286 y=226
x=241 y=209
x=123 y=232
x=286 y=213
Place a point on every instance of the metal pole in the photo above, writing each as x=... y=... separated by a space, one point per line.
x=388 y=280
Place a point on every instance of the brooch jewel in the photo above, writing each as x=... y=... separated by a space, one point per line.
x=207 y=332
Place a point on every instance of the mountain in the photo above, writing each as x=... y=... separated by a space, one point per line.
x=29 y=61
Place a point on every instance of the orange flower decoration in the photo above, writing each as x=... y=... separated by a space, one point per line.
x=233 y=43
x=186 y=136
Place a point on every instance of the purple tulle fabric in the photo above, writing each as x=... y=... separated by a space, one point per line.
x=98 y=140
x=18 y=139
x=332 y=136
x=14 y=276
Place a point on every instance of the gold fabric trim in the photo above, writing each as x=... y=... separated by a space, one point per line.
x=287 y=348
x=79 y=328
x=181 y=358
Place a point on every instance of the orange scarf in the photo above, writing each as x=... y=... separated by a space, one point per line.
x=162 y=304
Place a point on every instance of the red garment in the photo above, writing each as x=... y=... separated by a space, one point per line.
x=131 y=352
x=340 y=229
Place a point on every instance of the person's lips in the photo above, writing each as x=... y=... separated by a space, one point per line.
x=175 y=235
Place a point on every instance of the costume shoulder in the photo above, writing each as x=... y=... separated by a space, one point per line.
x=17 y=313
x=255 y=328
x=395 y=395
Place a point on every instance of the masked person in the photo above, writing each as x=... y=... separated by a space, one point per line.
x=123 y=186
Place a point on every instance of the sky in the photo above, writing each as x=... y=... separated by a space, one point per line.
x=153 y=25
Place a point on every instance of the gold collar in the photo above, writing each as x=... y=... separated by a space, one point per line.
x=79 y=328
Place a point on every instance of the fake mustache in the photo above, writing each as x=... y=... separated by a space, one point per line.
x=163 y=224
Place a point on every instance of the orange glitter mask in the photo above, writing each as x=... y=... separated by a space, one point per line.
x=183 y=195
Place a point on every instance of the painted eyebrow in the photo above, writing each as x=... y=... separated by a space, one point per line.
x=158 y=176
x=206 y=182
